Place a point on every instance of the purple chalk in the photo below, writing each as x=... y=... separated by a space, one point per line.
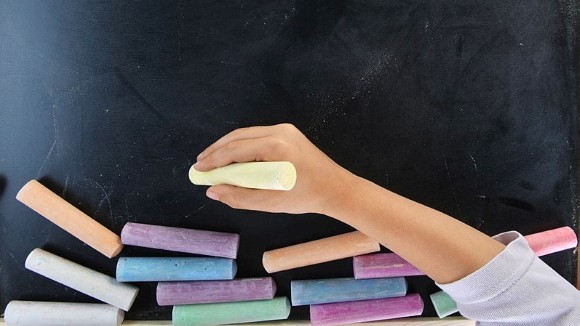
x=383 y=265
x=367 y=310
x=217 y=244
x=181 y=293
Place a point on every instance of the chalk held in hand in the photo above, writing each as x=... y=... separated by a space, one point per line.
x=345 y=289
x=383 y=265
x=180 y=293
x=82 y=279
x=209 y=243
x=36 y=313
x=69 y=218
x=231 y=312
x=148 y=269
x=256 y=175
x=368 y=310
x=319 y=251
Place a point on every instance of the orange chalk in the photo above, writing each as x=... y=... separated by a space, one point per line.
x=319 y=251
x=69 y=218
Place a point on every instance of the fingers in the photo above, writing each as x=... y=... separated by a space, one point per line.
x=238 y=134
x=246 y=150
x=243 y=198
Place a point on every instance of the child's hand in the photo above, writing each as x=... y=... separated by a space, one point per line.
x=319 y=185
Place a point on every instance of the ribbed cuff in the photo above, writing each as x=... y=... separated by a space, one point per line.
x=497 y=275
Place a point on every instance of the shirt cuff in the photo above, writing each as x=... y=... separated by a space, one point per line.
x=497 y=275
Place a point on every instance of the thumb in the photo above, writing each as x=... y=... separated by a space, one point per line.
x=238 y=197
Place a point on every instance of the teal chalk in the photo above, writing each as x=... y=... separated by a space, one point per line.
x=150 y=269
x=231 y=312
x=345 y=289
x=444 y=304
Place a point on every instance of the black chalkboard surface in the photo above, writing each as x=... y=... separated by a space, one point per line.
x=466 y=106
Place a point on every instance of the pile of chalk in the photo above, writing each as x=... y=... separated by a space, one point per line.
x=202 y=290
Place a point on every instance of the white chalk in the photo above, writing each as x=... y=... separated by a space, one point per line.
x=256 y=175
x=80 y=278
x=36 y=313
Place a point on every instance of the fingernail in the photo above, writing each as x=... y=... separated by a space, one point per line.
x=200 y=156
x=212 y=195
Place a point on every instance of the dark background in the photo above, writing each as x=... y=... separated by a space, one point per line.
x=466 y=106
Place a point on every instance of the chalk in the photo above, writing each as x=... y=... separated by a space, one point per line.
x=69 y=218
x=368 y=310
x=551 y=241
x=319 y=251
x=345 y=289
x=256 y=175
x=181 y=293
x=82 y=279
x=444 y=304
x=383 y=265
x=148 y=269
x=231 y=312
x=36 y=313
x=200 y=242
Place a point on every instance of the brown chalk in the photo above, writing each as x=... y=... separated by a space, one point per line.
x=60 y=212
x=319 y=251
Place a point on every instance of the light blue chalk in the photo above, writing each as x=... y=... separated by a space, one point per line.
x=345 y=289
x=150 y=269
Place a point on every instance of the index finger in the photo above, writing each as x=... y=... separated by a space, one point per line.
x=236 y=135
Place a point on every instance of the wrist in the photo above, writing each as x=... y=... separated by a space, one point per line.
x=343 y=197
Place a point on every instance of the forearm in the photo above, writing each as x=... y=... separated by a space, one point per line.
x=441 y=246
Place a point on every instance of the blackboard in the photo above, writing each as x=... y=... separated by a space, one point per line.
x=466 y=106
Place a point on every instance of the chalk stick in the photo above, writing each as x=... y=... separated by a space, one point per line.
x=209 y=243
x=551 y=241
x=368 y=310
x=383 y=265
x=37 y=313
x=231 y=312
x=345 y=289
x=69 y=218
x=182 y=293
x=148 y=269
x=256 y=175
x=319 y=251
x=443 y=303
x=82 y=279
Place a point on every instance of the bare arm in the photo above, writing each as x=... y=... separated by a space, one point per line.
x=441 y=246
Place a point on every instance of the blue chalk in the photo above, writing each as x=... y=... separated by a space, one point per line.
x=346 y=289
x=148 y=269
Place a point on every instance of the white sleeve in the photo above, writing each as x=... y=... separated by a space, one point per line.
x=516 y=288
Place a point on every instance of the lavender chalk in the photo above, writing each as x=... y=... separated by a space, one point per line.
x=368 y=310
x=147 y=269
x=383 y=265
x=207 y=243
x=345 y=289
x=184 y=293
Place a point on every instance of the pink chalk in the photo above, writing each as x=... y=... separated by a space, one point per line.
x=367 y=310
x=383 y=265
x=181 y=293
x=217 y=244
x=547 y=242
